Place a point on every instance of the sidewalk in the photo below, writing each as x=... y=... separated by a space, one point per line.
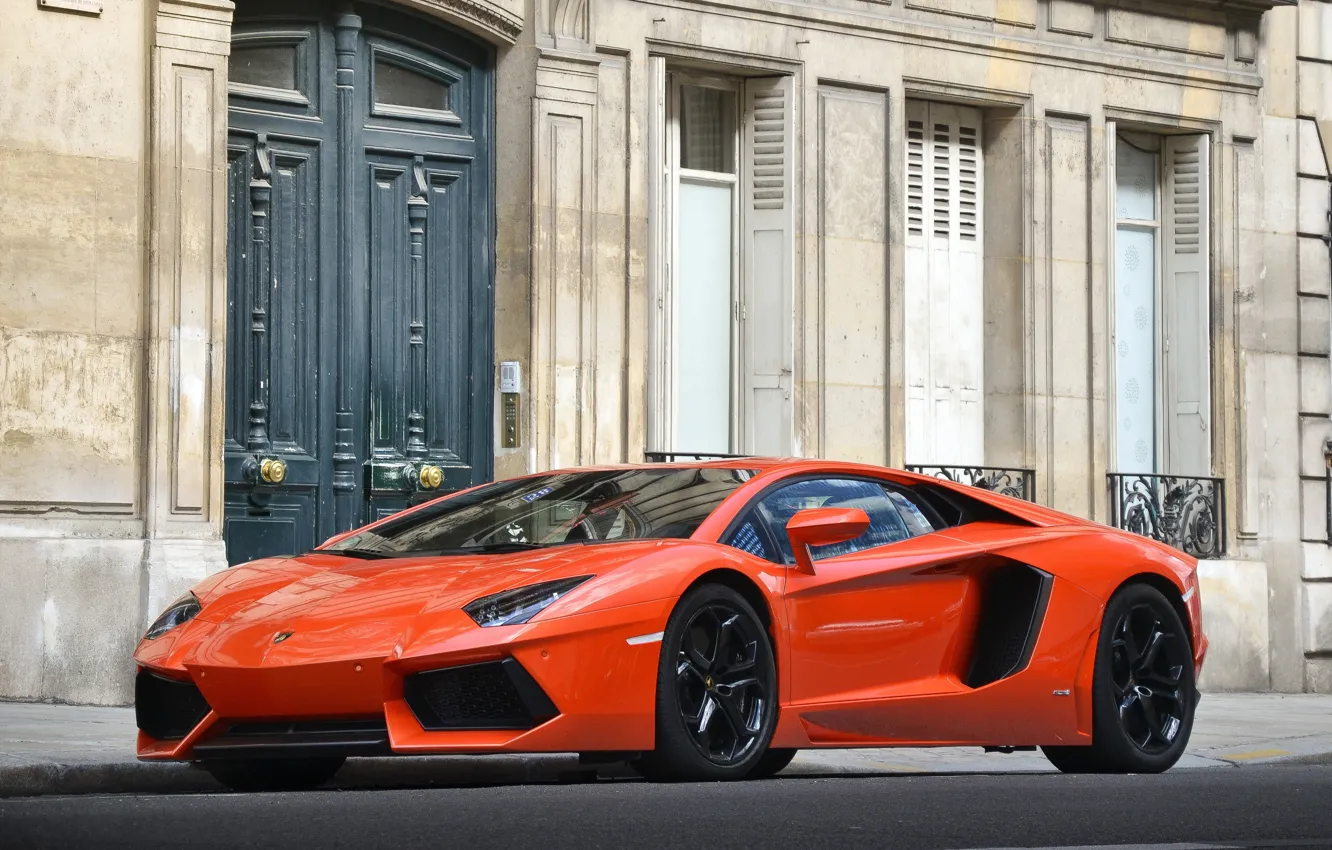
x=60 y=749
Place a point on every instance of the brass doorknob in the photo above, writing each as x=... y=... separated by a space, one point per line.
x=273 y=471
x=431 y=477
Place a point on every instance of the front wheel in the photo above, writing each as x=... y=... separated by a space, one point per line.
x=1143 y=689
x=716 y=690
x=298 y=774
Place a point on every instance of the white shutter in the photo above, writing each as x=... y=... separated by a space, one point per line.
x=767 y=224
x=1187 y=328
x=944 y=297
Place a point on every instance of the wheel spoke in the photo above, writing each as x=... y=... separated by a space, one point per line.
x=1153 y=720
x=705 y=715
x=1153 y=647
x=731 y=707
x=1128 y=641
x=725 y=631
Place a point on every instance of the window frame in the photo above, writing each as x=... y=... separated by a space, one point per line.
x=1156 y=227
x=750 y=513
x=665 y=360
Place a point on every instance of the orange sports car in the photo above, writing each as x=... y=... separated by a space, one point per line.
x=699 y=621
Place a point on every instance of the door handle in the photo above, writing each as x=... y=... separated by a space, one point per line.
x=431 y=477
x=270 y=471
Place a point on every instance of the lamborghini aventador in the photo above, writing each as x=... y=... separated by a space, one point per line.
x=698 y=621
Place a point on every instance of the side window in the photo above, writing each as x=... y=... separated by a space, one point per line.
x=916 y=518
x=886 y=524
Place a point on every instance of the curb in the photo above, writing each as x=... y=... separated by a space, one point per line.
x=137 y=777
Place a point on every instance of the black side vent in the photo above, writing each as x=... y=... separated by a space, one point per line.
x=167 y=709
x=493 y=695
x=1013 y=601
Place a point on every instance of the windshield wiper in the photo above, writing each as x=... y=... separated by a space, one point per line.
x=492 y=548
x=367 y=554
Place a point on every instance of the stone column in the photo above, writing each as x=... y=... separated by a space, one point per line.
x=187 y=290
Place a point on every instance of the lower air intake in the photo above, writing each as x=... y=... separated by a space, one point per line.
x=493 y=695
x=167 y=709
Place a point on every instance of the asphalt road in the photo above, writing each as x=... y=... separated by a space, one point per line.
x=1278 y=806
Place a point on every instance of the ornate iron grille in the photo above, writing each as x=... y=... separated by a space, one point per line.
x=1018 y=483
x=1187 y=513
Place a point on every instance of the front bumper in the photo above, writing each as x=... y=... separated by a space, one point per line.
x=572 y=684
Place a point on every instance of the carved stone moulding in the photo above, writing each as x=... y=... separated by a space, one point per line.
x=496 y=21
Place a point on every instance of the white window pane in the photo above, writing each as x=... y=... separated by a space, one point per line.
x=702 y=340
x=1135 y=179
x=707 y=129
x=1135 y=349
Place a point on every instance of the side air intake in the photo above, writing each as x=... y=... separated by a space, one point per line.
x=1013 y=602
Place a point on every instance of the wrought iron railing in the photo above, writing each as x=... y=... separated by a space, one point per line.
x=671 y=457
x=1187 y=513
x=1018 y=483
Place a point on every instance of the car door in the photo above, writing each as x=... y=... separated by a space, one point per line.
x=880 y=615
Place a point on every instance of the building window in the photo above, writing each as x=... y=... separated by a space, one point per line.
x=944 y=285
x=1162 y=346
x=722 y=265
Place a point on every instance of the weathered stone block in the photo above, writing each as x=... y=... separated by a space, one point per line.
x=1315 y=385
x=1312 y=159
x=1313 y=510
x=69 y=427
x=1315 y=266
x=1313 y=205
x=1195 y=37
x=1318 y=616
x=1315 y=334
x=1073 y=17
x=1314 y=430
x=1235 y=620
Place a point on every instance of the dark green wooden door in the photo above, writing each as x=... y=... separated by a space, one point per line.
x=360 y=295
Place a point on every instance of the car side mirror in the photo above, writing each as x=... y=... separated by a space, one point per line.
x=823 y=527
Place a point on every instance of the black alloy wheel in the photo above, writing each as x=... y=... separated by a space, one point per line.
x=1143 y=692
x=716 y=690
x=1148 y=661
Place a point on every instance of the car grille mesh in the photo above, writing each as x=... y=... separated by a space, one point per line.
x=167 y=709
x=494 y=695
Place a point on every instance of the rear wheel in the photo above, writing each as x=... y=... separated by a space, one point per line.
x=716 y=690
x=1143 y=690
x=299 y=774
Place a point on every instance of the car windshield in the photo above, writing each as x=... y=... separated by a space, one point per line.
x=557 y=509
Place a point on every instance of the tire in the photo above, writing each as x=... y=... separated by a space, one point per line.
x=715 y=651
x=772 y=763
x=298 y=774
x=1143 y=699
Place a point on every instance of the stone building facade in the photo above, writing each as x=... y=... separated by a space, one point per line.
x=268 y=270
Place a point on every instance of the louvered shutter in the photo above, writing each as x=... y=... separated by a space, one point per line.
x=944 y=298
x=1187 y=329
x=768 y=258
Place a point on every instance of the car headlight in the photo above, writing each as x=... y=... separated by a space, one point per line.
x=179 y=613
x=513 y=607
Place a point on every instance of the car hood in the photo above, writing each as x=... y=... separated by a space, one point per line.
x=338 y=606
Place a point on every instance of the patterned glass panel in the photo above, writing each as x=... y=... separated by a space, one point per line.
x=707 y=129
x=270 y=67
x=1135 y=349
x=1135 y=178
x=398 y=86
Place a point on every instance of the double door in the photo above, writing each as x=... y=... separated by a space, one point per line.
x=359 y=350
